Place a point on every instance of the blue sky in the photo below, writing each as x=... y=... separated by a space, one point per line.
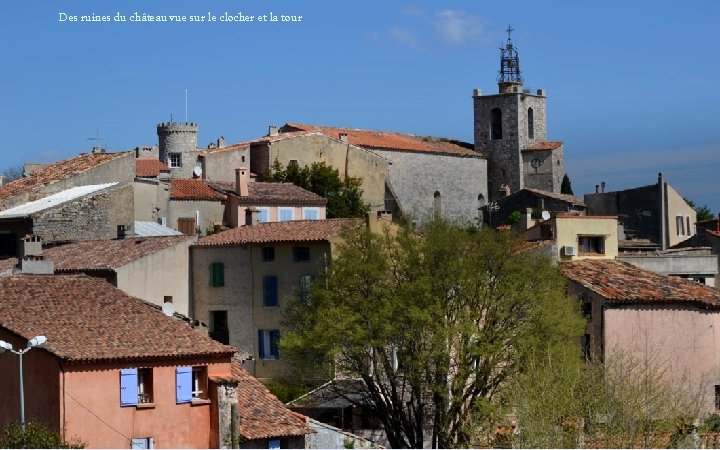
x=633 y=87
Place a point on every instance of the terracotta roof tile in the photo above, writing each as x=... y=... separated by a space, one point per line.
x=192 y=189
x=621 y=282
x=262 y=415
x=262 y=193
x=291 y=231
x=564 y=197
x=543 y=145
x=56 y=172
x=150 y=167
x=107 y=254
x=86 y=319
x=386 y=140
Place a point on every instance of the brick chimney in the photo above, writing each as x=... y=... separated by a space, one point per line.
x=241 y=181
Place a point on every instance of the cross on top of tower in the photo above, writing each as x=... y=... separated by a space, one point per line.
x=509 y=31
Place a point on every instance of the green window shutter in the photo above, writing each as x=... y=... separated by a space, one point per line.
x=217 y=274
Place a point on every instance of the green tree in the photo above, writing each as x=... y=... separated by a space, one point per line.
x=702 y=212
x=36 y=435
x=435 y=326
x=565 y=186
x=344 y=196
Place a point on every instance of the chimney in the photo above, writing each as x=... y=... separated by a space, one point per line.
x=2 y=180
x=241 y=181
x=98 y=150
x=717 y=224
x=504 y=190
x=221 y=142
x=343 y=137
x=597 y=188
x=252 y=216
x=121 y=231
x=602 y=187
x=272 y=130
x=31 y=260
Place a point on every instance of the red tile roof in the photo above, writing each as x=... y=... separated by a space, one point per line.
x=56 y=172
x=108 y=254
x=261 y=414
x=291 y=231
x=386 y=140
x=192 y=189
x=150 y=167
x=621 y=282
x=86 y=320
x=260 y=193
x=543 y=145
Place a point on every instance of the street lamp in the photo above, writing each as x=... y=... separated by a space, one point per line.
x=37 y=341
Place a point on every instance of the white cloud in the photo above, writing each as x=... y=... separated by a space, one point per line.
x=404 y=37
x=457 y=27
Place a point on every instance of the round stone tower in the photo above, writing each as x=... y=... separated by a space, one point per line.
x=178 y=147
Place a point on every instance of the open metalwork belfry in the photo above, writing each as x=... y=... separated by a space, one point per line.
x=509 y=78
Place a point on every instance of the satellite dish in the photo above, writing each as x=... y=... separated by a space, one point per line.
x=197 y=171
x=168 y=309
x=545 y=215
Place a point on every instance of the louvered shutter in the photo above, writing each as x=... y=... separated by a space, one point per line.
x=183 y=384
x=128 y=387
x=261 y=344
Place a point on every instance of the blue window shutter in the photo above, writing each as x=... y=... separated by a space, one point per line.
x=263 y=215
x=274 y=343
x=183 y=384
x=285 y=214
x=274 y=444
x=128 y=387
x=261 y=344
x=310 y=214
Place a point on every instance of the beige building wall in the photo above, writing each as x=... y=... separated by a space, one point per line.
x=288 y=273
x=238 y=212
x=350 y=161
x=152 y=198
x=160 y=274
x=209 y=212
x=678 y=210
x=569 y=231
x=220 y=165
x=682 y=339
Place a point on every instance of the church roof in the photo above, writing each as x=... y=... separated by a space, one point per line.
x=542 y=145
x=388 y=140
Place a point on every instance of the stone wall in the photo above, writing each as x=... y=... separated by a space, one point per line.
x=95 y=216
x=548 y=176
x=220 y=165
x=152 y=199
x=178 y=137
x=416 y=177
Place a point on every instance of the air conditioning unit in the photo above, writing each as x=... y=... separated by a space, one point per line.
x=569 y=250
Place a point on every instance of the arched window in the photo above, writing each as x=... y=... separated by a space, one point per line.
x=531 y=124
x=495 y=124
x=437 y=205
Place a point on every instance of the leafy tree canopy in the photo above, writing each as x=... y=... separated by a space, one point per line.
x=36 y=435
x=434 y=325
x=702 y=212
x=344 y=197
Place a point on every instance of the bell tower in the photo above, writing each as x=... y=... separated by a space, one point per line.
x=510 y=130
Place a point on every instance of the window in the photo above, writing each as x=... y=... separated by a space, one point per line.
x=136 y=386
x=217 y=274
x=585 y=347
x=270 y=297
x=437 y=205
x=274 y=444
x=199 y=382
x=688 y=232
x=190 y=383
x=680 y=223
x=305 y=281
x=264 y=215
x=268 y=347
x=142 y=443
x=591 y=244
x=586 y=309
x=174 y=160
x=285 y=214
x=268 y=254
x=495 y=124
x=167 y=299
x=301 y=254
x=186 y=225
x=293 y=163
x=310 y=213
x=530 y=123
x=717 y=397
x=219 y=327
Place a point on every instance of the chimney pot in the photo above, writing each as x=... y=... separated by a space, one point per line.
x=343 y=137
x=272 y=130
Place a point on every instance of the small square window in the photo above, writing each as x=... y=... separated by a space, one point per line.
x=587 y=310
x=174 y=160
x=310 y=213
x=268 y=254
x=167 y=299
x=301 y=254
x=591 y=244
